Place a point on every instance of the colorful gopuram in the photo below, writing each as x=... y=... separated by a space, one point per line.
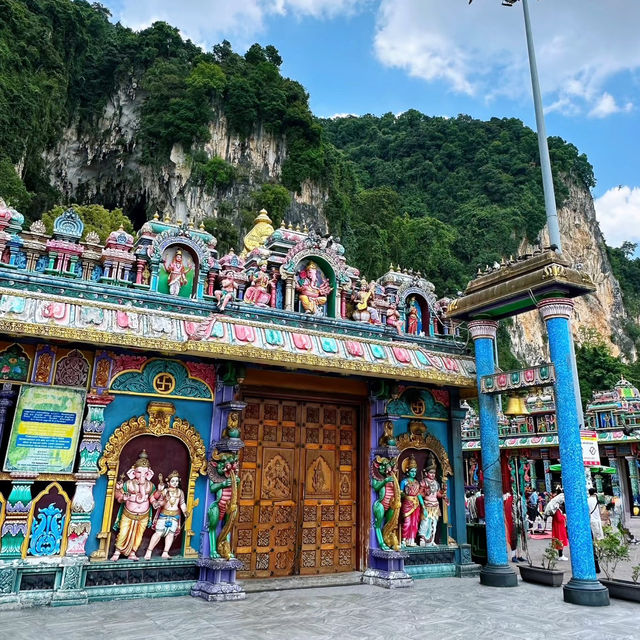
x=172 y=420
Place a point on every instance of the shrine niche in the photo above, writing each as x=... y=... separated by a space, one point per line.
x=178 y=269
x=140 y=459
x=314 y=292
x=414 y=403
x=48 y=523
x=425 y=469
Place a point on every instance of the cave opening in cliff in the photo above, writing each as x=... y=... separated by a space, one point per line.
x=136 y=209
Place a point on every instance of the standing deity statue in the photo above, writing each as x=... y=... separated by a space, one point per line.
x=386 y=508
x=169 y=502
x=414 y=317
x=312 y=288
x=176 y=273
x=431 y=513
x=258 y=293
x=226 y=293
x=412 y=502
x=134 y=516
x=223 y=483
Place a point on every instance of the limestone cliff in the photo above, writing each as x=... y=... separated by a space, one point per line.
x=104 y=165
x=583 y=244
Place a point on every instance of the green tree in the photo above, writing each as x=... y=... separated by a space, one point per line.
x=12 y=189
x=95 y=217
x=225 y=232
x=274 y=198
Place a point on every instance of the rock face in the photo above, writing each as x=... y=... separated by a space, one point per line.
x=103 y=165
x=604 y=312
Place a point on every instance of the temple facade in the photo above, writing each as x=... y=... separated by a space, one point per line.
x=529 y=442
x=172 y=420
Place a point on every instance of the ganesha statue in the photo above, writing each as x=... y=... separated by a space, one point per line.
x=223 y=484
x=313 y=289
x=134 y=516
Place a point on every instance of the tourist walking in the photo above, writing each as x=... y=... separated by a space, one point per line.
x=594 y=515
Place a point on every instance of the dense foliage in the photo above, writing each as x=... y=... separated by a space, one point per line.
x=626 y=269
x=449 y=178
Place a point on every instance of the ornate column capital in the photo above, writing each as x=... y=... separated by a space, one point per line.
x=483 y=329
x=555 y=308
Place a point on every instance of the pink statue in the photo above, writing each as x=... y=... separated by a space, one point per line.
x=412 y=502
x=413 y=319
x=226 y=293
x=258 y=293
x=312 y=289
x=393 y=318
x=169 y=500
x=134 y=516
x=177 y=273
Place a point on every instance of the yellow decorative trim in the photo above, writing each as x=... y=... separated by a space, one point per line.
x=3 y=512
x=238 y=352
x=159 y=424
x=34 y=503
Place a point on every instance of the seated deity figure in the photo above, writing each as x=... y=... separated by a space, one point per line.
x=312 y=288
x=258 y=293
x=226 y=293
x=412 y=502
x=393 y=318
x=168 y=500
x=431 y=513
x=134 y=516
x=177 y=273
x=365 y=310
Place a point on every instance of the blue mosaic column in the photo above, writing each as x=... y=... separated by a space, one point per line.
x=497 y=572
x=583 y=588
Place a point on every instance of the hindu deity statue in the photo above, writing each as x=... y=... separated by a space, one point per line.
x=414 y=317
x=431 y=513
x=223 y=483
x=258 y=293
x=176 y=273
x=226 y=293
x=168 y=500
x=393 y=318
x=134 y=516
x=312 y=288
x=412 y=502
x=386 y=507
x=364 y=310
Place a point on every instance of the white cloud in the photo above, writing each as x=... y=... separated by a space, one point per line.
x=210 y=21
x=607 y=105
x=618 y=212
x=481 y=49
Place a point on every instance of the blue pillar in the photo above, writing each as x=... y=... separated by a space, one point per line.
x=497 y=572
x=583 y=588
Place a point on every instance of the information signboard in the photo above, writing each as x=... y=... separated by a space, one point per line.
x=590 y=451
x=45 y=430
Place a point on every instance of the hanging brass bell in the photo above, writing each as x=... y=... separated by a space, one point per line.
x=516 y=406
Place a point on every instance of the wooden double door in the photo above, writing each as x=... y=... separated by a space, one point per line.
x=297 y=498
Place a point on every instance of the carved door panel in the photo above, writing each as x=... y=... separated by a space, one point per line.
x=328 y=478
x=297 y=503
x=266 y=529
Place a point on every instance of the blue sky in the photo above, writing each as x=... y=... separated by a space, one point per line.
x=445 y=57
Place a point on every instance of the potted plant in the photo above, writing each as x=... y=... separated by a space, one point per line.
x=547 y=573
x=612 y=549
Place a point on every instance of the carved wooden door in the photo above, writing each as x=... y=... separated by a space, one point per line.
x=297 y=503
x=327 y=491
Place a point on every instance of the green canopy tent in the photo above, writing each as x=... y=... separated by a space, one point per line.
x=594 y=469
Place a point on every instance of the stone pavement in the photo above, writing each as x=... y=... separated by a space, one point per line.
x=445 y=608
